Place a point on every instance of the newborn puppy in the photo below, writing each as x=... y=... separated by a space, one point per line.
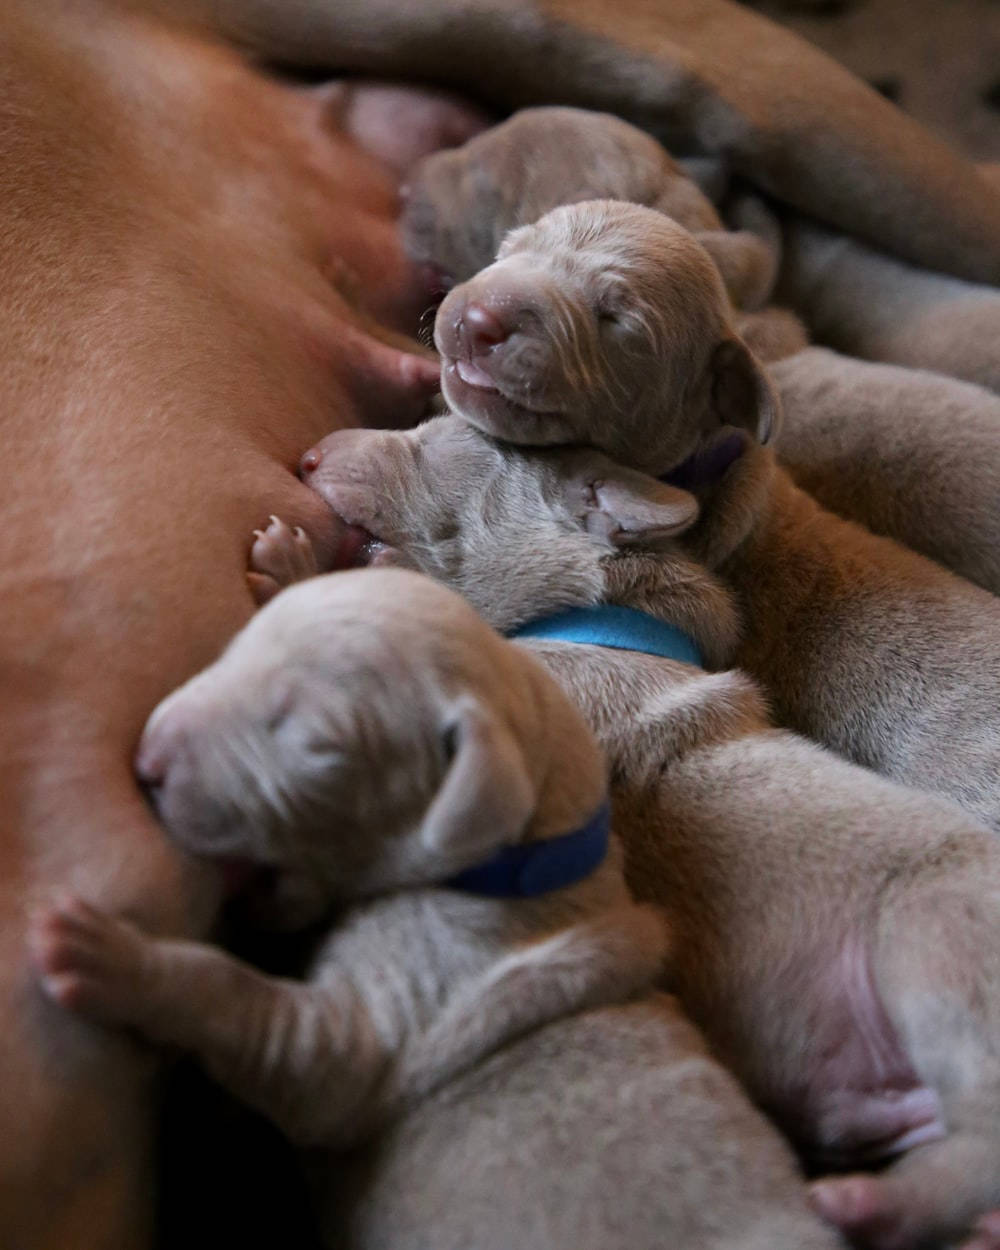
x=605 y=324
x=599 y=309
x=836 y=935
x=478 y=1037
x=905 y=452
x=461 y=203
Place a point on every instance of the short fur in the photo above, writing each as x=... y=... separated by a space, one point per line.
x=461 y=203
x=906 y=453
x=597 y=308
x=369 y=734
x=869 y=304
x=867 y=647
x=836 y=934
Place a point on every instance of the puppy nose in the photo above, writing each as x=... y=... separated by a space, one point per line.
x=162 y=752
x=151 y=764
x=480 y=329
x=310 y=461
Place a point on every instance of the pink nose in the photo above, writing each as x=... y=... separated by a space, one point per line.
x=479 y=329
x=310 y=461
x=151 y=764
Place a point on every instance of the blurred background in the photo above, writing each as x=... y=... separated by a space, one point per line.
x=937 y=59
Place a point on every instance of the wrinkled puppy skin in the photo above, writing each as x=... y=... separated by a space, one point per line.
x=370 y=733
x=597 y=309
x=835 y=933
x=605 y=324
x=461 y=203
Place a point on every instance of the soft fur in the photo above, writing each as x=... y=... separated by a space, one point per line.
x=199 y=263
x=861 y=644
x=599 y=308
x=461 y=203
x=870 y=304
x=905 y=452
x=370 y=736
x=835 y=934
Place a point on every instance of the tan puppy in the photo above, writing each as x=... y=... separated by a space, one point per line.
x=600 y=308
x=197 y=266
x=370 y=736
x=804 y=892
x=461 y=203
x=905 y=452
x=869 y=304
x=861 y=644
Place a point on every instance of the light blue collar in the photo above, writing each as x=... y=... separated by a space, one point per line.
x=608 y=625
x=532 y=868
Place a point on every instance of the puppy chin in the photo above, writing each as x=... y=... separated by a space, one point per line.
x=491 y=411
x=203 y=833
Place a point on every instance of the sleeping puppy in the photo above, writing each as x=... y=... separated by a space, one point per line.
x=461 y=203
x=606 y=324
x=835 y=935
x=478 y=1032
x=905 y=452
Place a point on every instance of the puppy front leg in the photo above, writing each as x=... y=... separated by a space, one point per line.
x=279 y=557
x=306 y=1057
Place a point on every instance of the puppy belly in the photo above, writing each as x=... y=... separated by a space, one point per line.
x=863 y=1102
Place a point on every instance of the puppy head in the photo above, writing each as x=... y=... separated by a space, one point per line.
x=605 y=324
x=363 y=733
x=461 y=203
x=519 y=534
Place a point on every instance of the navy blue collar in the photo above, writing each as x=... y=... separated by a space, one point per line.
x=610 y=625
x=706 y=466
x=532 y=868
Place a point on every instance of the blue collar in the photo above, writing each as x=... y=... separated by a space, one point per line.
x=537 y=867
x=609 y=625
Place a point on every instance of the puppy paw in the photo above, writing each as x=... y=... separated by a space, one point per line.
x=87 y=961
x=862 y=1207
x=985 y=1233
x=279 y=557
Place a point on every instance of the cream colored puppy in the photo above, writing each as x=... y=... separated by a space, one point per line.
x=836 y=935
x=905 y=452
x=479 y=1024
x=462 y=202
x=606 y=324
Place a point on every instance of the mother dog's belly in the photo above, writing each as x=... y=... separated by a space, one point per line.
x=174 y=229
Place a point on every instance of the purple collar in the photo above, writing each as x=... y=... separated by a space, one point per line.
x=531 y=868
x=705 y=467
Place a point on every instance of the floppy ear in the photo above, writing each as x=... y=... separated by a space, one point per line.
x=741 y=392
x=627 y=507
x=748 y=267
x=486 y=798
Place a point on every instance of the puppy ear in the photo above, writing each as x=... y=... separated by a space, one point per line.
x=742 y=394
x=486 y=798
x=626 y=507
x=747 y=266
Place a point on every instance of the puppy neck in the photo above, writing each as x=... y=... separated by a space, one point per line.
x=733 y=507
x=668 y=585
